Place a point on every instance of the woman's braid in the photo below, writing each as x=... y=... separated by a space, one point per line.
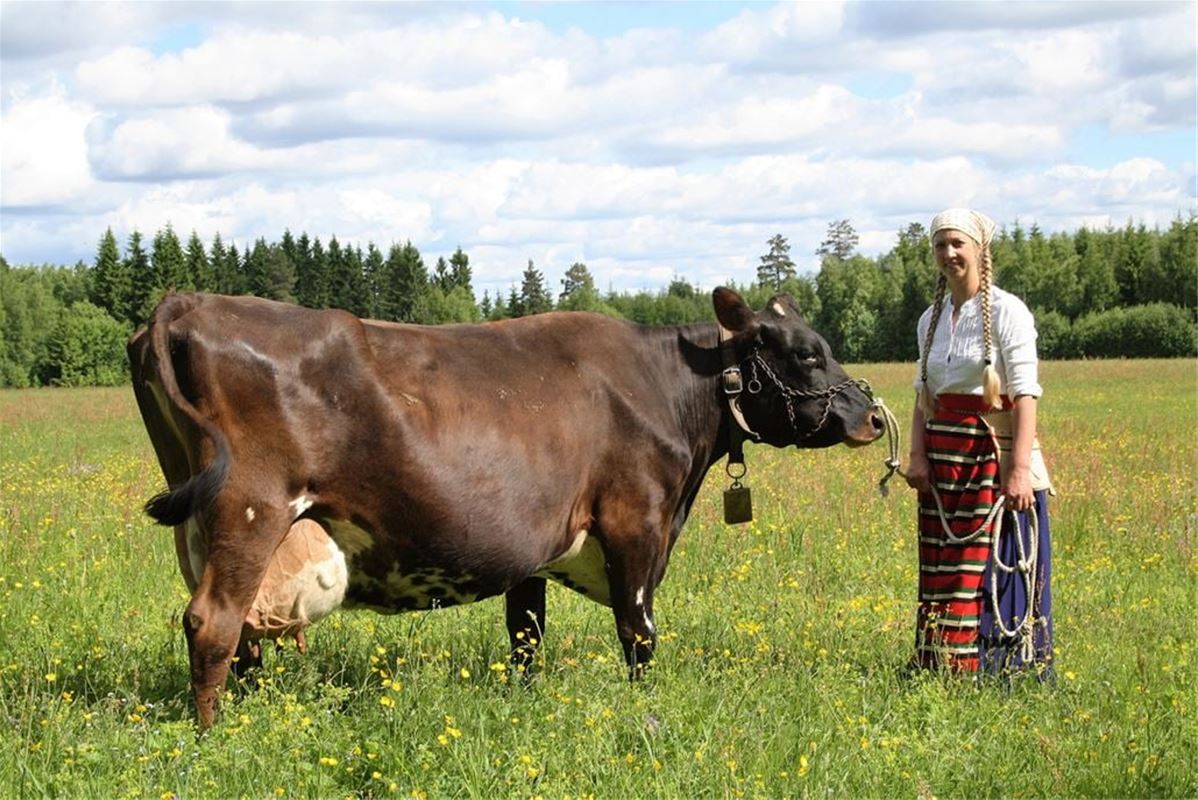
x=991 y=387
x=926 y=401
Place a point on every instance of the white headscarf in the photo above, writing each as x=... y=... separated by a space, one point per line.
x=973 y=224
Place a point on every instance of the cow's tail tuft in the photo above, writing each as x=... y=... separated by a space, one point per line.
x=197 y=493
x=176 y=506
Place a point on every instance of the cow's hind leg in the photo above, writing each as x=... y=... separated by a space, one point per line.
x=525 y=615
x=241 y=546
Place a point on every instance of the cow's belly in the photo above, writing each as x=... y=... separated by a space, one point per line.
x=582 y=568
x=390 y=587
x=394 y=589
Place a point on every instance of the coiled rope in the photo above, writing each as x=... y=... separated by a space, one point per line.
x=1028 y=555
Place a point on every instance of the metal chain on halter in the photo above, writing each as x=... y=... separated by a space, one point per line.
x=790 y=394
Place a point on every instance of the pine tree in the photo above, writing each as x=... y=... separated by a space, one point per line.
x=142 y=284
x=256 y=269
x=402 y=298
x=534 y=296
x=1138 y=261
x=339 y=289
x=1178 y=280
x=460 y=272
x=278 y=275
x=355 y=279
x=441 y=277
x=577 y=279
x=111 y=284
x=500 y=310
x=840 y=242
x=515 y=308
x=170 y=267
x=776 y=265
x=219 y=259
x=234 y=271
x=485 y=307
x=374 y=268
x=290 y=249
x=311 y=274
x=199 y=269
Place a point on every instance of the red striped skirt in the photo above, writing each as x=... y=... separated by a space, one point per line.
x=964 y=464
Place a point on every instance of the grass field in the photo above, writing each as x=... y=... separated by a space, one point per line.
x=780 y=668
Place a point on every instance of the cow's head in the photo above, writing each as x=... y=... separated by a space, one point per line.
x=794 y=391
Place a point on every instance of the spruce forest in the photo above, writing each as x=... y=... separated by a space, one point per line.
x=1129 y=292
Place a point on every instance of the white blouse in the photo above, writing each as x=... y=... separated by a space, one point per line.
x=957 y=358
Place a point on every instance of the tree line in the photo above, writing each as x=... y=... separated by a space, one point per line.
x=1096 y=293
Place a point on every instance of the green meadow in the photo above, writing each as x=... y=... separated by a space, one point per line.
x=780 y=670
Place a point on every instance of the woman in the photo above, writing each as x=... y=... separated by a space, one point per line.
x=984 y=596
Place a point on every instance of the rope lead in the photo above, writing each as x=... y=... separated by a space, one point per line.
x=1023 y=630
x=892 y=462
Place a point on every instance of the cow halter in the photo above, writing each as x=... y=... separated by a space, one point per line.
x=790 y=394
x=738 y=503
x=733 y=383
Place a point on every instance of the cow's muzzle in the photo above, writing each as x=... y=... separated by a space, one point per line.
x=868 y=429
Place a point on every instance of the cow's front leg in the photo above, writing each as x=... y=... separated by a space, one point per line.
x=239 y=553
x=631 y=577
x=247 y=660
x=525 y=614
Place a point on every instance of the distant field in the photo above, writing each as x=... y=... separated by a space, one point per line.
x=779 y=671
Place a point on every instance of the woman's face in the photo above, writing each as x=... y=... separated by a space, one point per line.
x=957 y=254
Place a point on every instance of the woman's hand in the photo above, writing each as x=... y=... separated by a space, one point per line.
x=1017 y=483
x=1017 y=488
x=919 y=473
x=919 y=470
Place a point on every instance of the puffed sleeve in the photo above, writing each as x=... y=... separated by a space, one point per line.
x=1017 y=338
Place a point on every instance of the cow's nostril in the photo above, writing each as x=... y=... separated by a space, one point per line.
x=877 y=422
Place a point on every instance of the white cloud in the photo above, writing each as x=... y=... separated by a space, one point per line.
x=376 y=210
x=754 y=31
x=252 y=66
x=44 y=150
x=1067 y=63
x=175 y=143
x=44 y=30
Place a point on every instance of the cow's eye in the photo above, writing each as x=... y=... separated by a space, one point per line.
x=807 y=361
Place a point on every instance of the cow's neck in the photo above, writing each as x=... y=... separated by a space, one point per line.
x=698 y=404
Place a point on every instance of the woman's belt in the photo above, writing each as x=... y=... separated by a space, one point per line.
x=1001 y=425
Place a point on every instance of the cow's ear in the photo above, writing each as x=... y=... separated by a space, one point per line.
x=733 y=312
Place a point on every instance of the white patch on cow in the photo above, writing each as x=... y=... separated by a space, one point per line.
x=640 y=603
x=319 y=588
x=583 y=568
x=249 y=514
x=778 y=309
x=299 y=505
x=197 y=551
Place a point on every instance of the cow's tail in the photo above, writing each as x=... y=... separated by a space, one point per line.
x=197 y=493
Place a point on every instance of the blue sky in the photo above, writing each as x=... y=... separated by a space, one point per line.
x=649 y=140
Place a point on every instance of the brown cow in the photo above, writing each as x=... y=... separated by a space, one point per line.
x=453 y=463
